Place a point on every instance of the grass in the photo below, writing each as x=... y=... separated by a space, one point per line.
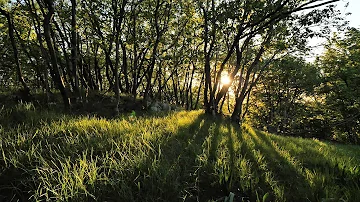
x=181 y=156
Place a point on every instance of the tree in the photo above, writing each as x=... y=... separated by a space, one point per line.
x=173 y=51
x=74 y=48
x=54 y=69
x=341 y=80
x=11 y=29
x=284 y=96
x=245 y=24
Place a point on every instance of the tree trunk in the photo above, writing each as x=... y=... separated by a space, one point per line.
x=125 y=67
x=116 y=70
x=208 y=91
x=56 y=72
x=74 y=50
x=37 y=26
x=64 y=50
x=135 y=62
x=31 y=58
x=98 y=75
x=150 y=69
x=235 y=116
x=190 y=95
x=26 y=89
x=198 y=93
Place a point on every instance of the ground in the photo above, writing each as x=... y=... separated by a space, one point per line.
x=177 y=156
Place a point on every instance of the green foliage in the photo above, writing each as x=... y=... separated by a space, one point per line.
x=341 y=85
x=313 y=100
x=155 y=49
x=183 y=156
x=283 y=99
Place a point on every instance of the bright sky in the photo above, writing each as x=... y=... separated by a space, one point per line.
x=354 y=21
x=353 y=8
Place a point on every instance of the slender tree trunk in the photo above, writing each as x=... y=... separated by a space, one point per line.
x=208 y=48
x=74 y=50
x=239 y=55
x=125 y=67
x=98 y=70
x=134 y=75
x=237 y=113
x=31 y=58
x=56 y=72
x=116 y=70
x=118 y=17
x=159 y=79
x=64 y=72
x=199 y=90
x=45 y=69
x=175 y=87
x=159 y=34
x=150 y=71
x=188 y=94
x=207 y=74
x=66 y=55
x=16 y=54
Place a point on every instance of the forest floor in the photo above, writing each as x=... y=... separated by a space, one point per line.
x=179 y=156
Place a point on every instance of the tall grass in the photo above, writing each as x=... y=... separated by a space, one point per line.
x=182 y=156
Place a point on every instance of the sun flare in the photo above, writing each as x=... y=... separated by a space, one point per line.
x=225 y=80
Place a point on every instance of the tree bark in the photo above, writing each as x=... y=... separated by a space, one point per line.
x=135 y=59
x=74 y=50
x=154 y=51
x=16 y=54
x=55 y=68
x=125 y=67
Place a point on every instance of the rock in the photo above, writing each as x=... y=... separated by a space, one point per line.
x=154 y=109
x=165 y=107
x=160 y=107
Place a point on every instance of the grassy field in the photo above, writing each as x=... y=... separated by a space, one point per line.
x=181 y=156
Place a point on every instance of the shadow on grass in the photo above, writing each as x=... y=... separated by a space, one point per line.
x=188 y=165
x=288 y=173
x=169 y=171
x=327 y=179
x=184 y=171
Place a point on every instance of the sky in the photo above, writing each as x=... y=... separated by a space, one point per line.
x=354 y=21
x=354 y=7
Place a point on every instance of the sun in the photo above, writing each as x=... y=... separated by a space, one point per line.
x=225 y=80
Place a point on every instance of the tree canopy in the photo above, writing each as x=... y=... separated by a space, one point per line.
x=179 y=51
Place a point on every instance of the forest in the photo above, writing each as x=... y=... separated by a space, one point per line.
x=178 y=100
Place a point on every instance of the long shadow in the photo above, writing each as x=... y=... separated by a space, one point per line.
x=283 y=170
x=198 y=162
x=234 y=184
x=219 y=178
x=230 y=146
x=334 y=174
x=229 y=178
x=176 y=167
x=255 y=184
x=180 y=173
x=318 y=163
x=313 y=149
x=212 y=187
x=308 y=148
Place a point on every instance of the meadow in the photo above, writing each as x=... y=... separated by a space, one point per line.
x=178 y=156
